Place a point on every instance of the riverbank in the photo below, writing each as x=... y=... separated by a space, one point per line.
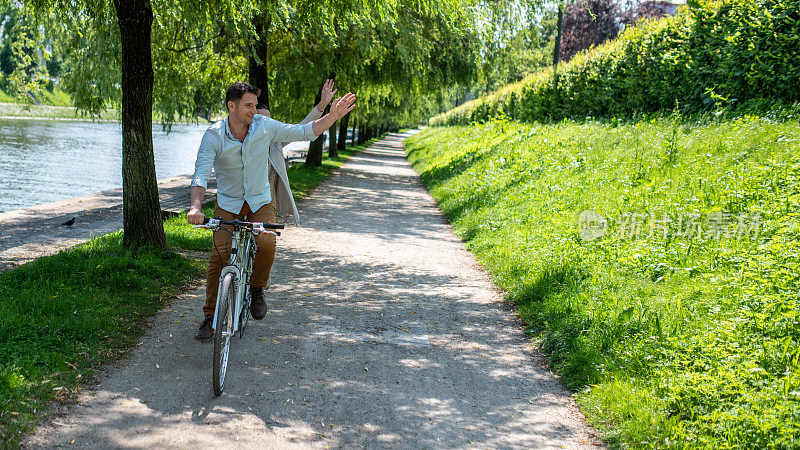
x=56 y=97
x=656 y=262
x=31 y=233
x=65 y=113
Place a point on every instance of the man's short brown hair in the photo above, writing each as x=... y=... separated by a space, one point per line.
x=237 y=90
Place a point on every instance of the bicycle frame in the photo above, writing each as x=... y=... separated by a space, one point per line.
x=239 y=269
x=240 y=264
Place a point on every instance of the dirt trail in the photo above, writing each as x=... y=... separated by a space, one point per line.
x=383 y=333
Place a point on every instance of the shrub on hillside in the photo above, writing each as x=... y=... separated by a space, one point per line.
x=710 y=55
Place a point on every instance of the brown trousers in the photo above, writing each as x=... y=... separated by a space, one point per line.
x=222 y=250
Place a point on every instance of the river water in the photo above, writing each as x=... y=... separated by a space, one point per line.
x=43 y=161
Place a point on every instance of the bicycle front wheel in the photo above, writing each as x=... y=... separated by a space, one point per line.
x=224 y=331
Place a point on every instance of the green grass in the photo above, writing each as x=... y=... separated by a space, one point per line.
x=669 y=341
x=55 y=98
x=63 y=316
x=183 y=236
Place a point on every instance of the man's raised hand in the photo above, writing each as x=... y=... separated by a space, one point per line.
x=343 y=105
x=340 y=107
x=327 y=94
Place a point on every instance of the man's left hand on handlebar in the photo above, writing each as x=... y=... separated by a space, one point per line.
x=195 y=217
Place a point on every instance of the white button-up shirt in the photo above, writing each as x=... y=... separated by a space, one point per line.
x=242 y=168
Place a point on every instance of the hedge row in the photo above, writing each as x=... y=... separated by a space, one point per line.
x=711 y=54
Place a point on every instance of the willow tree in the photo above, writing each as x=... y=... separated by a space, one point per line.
x=297 y=45
x=403 y=49
x=424 y=52
x=137 y=54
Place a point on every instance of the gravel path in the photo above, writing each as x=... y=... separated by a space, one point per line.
x=383 y=332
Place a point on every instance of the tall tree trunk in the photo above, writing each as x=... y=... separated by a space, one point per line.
x=333 y=149
x=140 y=206
x=314 y=156
x=257 y=58
x=342 y=143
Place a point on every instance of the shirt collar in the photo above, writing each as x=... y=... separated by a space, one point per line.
x=228 y=133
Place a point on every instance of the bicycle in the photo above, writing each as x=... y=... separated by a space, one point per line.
x=233 y=299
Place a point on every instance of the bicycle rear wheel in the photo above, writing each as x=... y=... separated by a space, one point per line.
x=224 y=331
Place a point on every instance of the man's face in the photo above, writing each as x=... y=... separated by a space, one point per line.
x=243 y=110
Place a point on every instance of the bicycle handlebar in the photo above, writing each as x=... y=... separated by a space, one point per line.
x=254 y=227
x=219 y=221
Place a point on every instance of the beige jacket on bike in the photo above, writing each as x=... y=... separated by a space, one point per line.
x=284 y=201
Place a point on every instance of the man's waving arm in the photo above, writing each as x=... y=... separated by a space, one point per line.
x=281 y=132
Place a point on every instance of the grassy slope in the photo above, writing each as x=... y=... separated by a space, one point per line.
x=58 y=105
x=55 y=98
x=55 y=105
x=62 y=316
x=670 y=341
x=51 y=112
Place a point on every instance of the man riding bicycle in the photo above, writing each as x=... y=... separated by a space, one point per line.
x=238 y=148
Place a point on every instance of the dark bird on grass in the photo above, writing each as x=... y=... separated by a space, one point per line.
x=68 y=223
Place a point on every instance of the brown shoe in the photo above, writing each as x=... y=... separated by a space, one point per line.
x=205 y=333
x=258 y=307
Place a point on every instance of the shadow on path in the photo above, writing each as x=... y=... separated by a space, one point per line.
x=382 y=332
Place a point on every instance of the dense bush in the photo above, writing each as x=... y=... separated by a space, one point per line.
x=715 y=54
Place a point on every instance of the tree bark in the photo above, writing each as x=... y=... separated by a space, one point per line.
x=314 y=156
x=258 y=76
x=140 y=205
x=362 y=133
x=343 y=122
x=333 y=149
